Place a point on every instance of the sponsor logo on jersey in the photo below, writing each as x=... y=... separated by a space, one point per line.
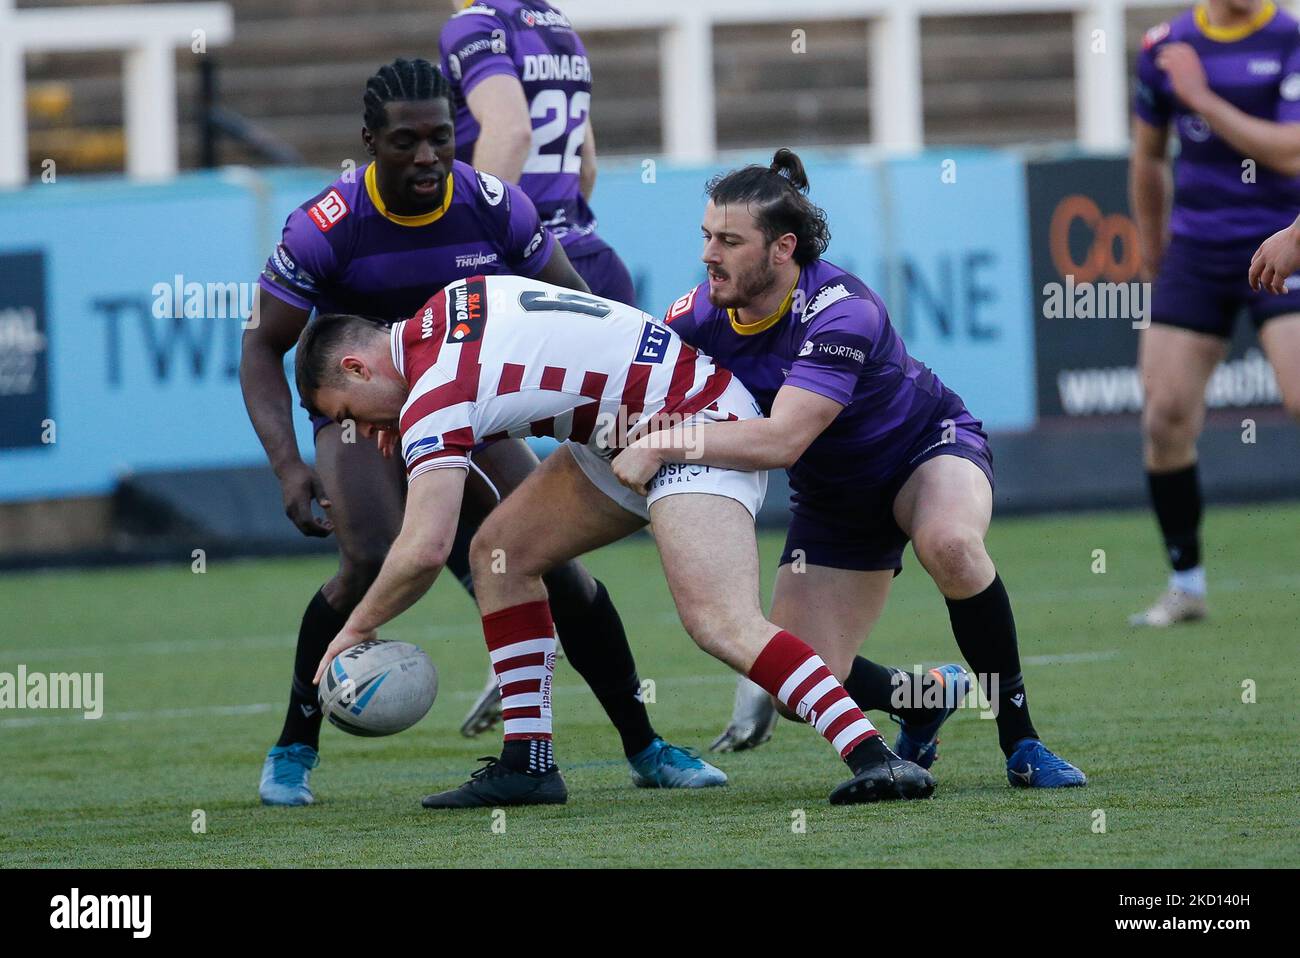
x=467 y=311
x=806 y=349
x=554 y=66
x=328 y=211
x=422 y=447
x=426 y=323
x=284 y=272
x=825 y=296
x=472 y=260
x=1290 y=88
x=681 y=306
x=1264 y=68
x=544 y=18
x=653 y=345
x=1154 y=35
x=453 y=67
x=533 y=244
x=841 y=351
x=494 y=191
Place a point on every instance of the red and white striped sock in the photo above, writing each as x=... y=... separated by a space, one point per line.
x=521 y=643
x=797 y=676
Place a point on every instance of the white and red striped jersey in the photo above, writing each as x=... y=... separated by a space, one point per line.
x=492 y=357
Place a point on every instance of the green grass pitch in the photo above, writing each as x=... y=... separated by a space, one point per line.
x=196 y=669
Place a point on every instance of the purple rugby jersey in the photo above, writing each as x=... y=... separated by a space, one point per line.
x=533 y=42
x=342 y=251
x=1257 y=70
x=842 y=346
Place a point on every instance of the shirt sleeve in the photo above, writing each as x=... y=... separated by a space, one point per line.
x=1288 y=88
x=526 y=244
x=300 y=265
x=682 y=320
x=1151 y=102
x=835 y=354
x=475 y=46
x=436 y=428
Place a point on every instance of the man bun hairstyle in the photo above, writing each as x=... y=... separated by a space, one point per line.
x=402 y=80
x=315 y=363
x=776 y=195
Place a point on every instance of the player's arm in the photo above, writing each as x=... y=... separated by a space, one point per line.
x=798 y=417
x=414 y=561
x=270 y=406
x=587 y=161
x=1148 y=187
x=1275 y=145
x=1277 y=258
x=560 y=272
x=506 y=129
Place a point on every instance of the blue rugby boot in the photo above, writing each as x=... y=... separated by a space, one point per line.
x=920 y=743
x=660 y=765
x=1033 y=765
x=285 y=774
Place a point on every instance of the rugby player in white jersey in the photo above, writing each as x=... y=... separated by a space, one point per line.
x=504 y=356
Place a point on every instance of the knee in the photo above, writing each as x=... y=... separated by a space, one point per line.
x=1165 y=420
x=357 y=571
x=713 y=633
x=495 y=551
x=953 y=555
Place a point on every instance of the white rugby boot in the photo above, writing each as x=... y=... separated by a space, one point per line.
x=752 y=718
x=1174 y=605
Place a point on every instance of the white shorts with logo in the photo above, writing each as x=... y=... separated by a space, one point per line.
x=747 y=488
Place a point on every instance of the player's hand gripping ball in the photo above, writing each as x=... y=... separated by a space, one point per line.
x=378 y=687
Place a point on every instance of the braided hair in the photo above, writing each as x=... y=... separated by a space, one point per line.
x=776 y=195
x=402 y=80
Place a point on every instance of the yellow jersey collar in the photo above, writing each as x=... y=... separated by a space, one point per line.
x=1231 y=34
x=767 y=322
x=424 y=219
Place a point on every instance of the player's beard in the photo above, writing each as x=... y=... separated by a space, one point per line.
x=747 y=286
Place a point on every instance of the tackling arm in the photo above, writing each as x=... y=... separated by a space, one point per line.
x=798 y=417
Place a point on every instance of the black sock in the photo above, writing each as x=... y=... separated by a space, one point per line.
x=1176 y=497
x=985 y=631
x=532 y=756
x=870 y=751
x=591 y=634
x=886 y=689
x=320 y=623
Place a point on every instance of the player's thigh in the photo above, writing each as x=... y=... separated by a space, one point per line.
x=555 y=514
x=367 y=496
x=710 y=559
x=833 y=610
x=1175 y=365
x=946 y=490
x=1280 y=337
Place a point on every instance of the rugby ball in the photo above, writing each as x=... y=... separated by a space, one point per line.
x=378 y=688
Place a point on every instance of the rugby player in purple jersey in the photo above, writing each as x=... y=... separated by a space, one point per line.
x=380 y=242
x=878 y=452
x=521 y=85
x=1225 y=76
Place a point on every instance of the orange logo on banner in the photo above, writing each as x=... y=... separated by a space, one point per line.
x=1101 y=259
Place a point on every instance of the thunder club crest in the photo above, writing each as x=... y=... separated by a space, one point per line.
x=466 y=310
